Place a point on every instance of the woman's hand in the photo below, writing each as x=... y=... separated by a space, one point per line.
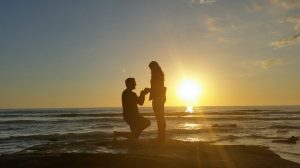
x=145 y=91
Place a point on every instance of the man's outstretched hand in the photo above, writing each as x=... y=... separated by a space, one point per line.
x=145 y=91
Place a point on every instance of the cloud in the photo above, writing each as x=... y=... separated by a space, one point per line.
x=268 y=63
x=217 y=24
x=295 y=20
x=221 y=29
x=262 y=5
x=202 y=1
x=286 y=4
x=227 y=40
x=212 y=24
x=293 y=39
x=224 y=40
x=256 y=6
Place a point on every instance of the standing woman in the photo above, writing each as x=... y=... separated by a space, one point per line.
x=158 y=97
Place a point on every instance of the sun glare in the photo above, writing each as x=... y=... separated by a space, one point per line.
x=189 y=109
x=189 y=91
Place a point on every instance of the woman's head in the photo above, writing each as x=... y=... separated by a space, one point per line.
x=156 y=70
x=154 y=66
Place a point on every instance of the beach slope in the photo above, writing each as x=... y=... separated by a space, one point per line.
x=146 y=154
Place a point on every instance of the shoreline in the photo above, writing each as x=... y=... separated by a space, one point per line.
x=145 y=153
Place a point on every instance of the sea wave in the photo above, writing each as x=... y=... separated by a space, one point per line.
x=253 y=136
x=116 y=113
x=60 y=110
x=199 y=130
x=290 y=153
x=98 y=135
x=20 y=121
x=62 y=137
x=53 y=121
x=285 y=127
x=233 y=118
x=102 y=134
x=170 y=118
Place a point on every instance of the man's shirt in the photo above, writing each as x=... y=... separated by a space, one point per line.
x=130 y=100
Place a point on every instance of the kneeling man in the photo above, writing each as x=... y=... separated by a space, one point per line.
x=131 y=115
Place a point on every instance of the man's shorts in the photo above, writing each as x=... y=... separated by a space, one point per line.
x=138 y=124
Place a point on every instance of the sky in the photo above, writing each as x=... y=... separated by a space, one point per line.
x=76 y=53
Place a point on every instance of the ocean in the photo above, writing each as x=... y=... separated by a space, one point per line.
x=23 y=128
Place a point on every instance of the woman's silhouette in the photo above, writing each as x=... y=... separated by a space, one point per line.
x=158 y=97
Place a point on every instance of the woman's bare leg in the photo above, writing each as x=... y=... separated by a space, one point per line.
x=158 y=108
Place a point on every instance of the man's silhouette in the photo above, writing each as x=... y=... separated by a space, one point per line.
x=131 y=115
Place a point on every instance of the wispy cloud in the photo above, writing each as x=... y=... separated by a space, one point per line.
x=286 y=4
x=212 y=24
x=221 y=29
x=254 y=68
x=295 y=20
x=293 y=39
x=272 y=5
x=227 y=40
x=255 y=6
x=224 y=40
x=202 y=1
x=268 y=63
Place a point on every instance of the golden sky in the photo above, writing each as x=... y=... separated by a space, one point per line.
x=78 y=54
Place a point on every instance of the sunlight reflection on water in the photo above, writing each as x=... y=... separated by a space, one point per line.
x=189 y=109
x=190 y=126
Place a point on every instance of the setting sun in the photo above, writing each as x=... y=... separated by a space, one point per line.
x=189 y=91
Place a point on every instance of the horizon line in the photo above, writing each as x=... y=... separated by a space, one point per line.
x=25 y=108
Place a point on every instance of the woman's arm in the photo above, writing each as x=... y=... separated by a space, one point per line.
x=141 y=98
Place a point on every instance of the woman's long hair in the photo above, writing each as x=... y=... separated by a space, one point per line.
x=156 y=73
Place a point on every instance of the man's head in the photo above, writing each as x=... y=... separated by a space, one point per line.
x=130 y=83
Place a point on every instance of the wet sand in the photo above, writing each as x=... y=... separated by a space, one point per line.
x=145 y=154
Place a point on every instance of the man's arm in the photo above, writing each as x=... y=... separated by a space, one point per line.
x=141 y=98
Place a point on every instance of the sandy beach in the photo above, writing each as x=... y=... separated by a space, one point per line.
x=145 y=153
